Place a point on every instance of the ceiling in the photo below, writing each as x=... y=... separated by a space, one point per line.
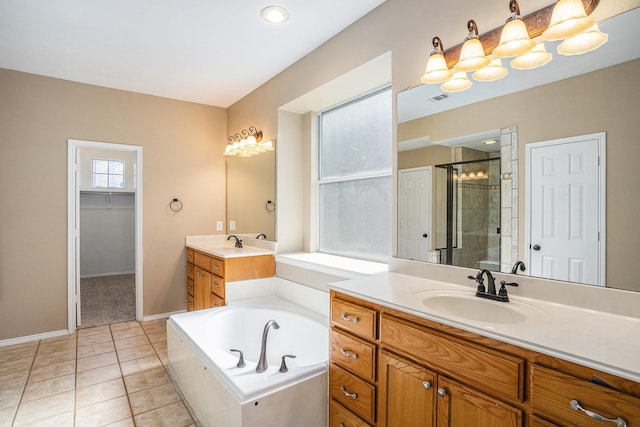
x=211 y=52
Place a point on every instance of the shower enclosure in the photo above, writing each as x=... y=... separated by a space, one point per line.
x=467 y=211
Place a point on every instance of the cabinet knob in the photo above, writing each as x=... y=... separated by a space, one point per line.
x=346 y=393
x=575 y=405
x=426 y=385
x=442 y=392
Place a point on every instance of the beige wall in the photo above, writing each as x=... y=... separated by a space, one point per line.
x=181 y=155
x=593 y=102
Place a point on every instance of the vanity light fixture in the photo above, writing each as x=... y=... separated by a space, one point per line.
x=472 y=55
x=568 y=19
x=493 y=71
x=457 y=83
x=275 y=14
x=514 y=39
x=584 y=42
x=247 y=143
x=536 y=57
x=436 y=70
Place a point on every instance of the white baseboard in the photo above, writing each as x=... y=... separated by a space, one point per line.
x=161 y=315
x=36 y=337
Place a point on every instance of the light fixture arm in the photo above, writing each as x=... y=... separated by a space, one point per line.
x=473 y=30
x=437 y=45
x=514 y=7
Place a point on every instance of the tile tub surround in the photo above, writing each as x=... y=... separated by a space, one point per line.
x=106 y=375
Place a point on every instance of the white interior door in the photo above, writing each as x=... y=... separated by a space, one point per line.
x=414 y=213
x=565 y=186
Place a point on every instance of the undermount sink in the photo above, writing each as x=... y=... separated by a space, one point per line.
x=470 y=307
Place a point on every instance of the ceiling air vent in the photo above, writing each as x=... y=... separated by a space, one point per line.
x=438 y=97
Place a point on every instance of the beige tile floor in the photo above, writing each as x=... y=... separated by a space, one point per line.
x=112 y=375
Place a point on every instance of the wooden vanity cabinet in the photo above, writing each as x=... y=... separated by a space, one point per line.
x=207 y=276
x=411 y=371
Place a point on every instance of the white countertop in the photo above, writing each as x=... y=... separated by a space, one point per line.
x=603 y=341
x=217 y=245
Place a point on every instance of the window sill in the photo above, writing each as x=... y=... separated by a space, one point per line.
x=348 y=268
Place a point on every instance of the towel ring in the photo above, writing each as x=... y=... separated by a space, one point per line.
x=175 y=205
x=270 y=206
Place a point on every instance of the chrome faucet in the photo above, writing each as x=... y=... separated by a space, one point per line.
x=238 y=241
x=262 y=361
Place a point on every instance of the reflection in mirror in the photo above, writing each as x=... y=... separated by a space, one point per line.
x=592 y=93
x=251 y=195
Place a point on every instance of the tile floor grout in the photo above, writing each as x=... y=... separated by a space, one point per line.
x=139 y=412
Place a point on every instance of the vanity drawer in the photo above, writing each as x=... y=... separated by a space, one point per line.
x=352 y=392
x=353 y=354
x=190 y=270
x=217 y=286
x=217 y=267
x=189 y=302
x=190 y=287
x=465 y=361
x=340 y=417
x=216 y=301
x=553 y=391
x=356 y=319
x=189 y=256
x=202 y=260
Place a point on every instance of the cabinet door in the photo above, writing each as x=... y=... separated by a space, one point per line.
x=407 y=394
x=202 y=289
x=461 y=406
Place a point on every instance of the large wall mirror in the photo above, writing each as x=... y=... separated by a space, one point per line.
x=471 y=150
x=251 y=203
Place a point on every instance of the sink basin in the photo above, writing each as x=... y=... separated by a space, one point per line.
x=470 y=307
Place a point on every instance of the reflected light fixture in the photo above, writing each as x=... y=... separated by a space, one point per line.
x=472 y=55
x=493 y=71
x=457 y=83
x=436 y=70
x=568 y=19
x=588 y=40
x=514 y=39
x=536 y=57
x=275 y=14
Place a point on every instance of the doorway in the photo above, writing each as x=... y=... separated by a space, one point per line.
x=565 y=221
x=414 y=213
x=104 y=233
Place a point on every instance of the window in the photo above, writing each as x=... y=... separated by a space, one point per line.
x=108 y=173
x=355 y=177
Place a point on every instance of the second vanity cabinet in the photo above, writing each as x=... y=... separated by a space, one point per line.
x=389 y=368
x=207 y=276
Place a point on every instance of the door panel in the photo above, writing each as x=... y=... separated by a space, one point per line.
x=414 y=214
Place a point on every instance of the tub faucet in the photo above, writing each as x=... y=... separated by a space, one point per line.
x=238 y=241
x=262 y=361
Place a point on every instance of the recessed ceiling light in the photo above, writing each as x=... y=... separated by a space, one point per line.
x=489 y=141
x=275 y=14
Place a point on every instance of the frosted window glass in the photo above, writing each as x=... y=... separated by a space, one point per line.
x=354 y=206
x=355 y=218
x=356 y=137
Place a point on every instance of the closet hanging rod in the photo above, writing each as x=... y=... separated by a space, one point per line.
x=106 y=193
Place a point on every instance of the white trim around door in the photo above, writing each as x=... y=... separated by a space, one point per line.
x=73 y=223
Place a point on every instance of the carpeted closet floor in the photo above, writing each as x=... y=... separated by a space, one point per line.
x=107 y=299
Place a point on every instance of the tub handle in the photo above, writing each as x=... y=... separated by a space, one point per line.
x=346 y=393
x=346 y=353
x=241 y=363
x=283 y=364
x=348 y=318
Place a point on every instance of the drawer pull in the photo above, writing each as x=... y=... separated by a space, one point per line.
x=575 y=405
x=348 y=318
x=426 y=385
x=341 y=425
x=346 y=393
x=215 y=267
x=346 y=353
x=442 y=392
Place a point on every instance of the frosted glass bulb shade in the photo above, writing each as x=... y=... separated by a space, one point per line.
x=457 y=83
x=514 y=40
x=436 y=70
x=228 y=151
x=472 y=56
x=493 y=71
x=536 y=57
x=584 y=42
x=268 y=145
x=568 y=19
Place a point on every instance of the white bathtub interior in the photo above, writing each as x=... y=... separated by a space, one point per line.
x=221 y=394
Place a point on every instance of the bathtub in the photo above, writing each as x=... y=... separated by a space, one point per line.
x=222 y=394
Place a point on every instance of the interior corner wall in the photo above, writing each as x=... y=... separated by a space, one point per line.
x=181 y=157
